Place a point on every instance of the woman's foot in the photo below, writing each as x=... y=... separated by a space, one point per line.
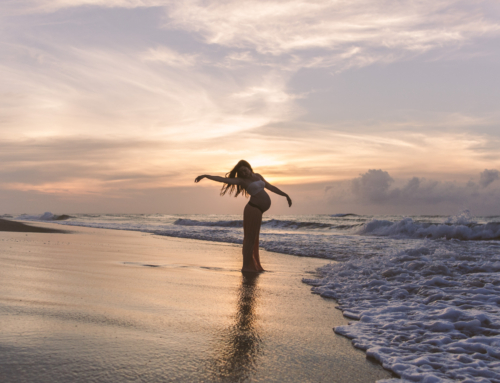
x=258 y=267
x=256 y=263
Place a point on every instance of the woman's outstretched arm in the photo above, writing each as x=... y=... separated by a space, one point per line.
x=231 y=181
x=274 y=189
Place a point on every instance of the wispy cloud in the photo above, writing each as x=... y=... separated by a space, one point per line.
x=83 y=165
x=38 y=6
x=170 y=57
x=358 y=31
x=318 y=33
x=75 y=90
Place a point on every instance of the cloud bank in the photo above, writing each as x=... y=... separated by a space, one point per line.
x=488 y=176
x=376 y=189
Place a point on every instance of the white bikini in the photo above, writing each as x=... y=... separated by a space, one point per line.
x=255 y=187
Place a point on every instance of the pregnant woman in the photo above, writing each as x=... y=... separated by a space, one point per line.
x=243 y=180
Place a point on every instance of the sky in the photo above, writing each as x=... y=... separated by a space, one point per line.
x=359 y=106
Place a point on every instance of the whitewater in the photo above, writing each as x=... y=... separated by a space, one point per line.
x=423 y=292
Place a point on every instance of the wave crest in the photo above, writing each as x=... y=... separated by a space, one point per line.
x=462 y=229
x=47 y=216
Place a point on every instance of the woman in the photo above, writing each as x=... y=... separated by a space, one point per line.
x=243 y=180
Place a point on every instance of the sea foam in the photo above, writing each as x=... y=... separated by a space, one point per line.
x=428 y=315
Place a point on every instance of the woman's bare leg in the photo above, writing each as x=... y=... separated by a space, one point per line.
x=252 y=218
x=256 y=257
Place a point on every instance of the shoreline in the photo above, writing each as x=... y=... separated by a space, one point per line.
x=164 y=308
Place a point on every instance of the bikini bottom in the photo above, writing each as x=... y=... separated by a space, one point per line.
x=258 y=207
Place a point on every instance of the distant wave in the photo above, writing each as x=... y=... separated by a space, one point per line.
x=282 y=224
x=461 y=229
x=47 y=216
x=344 y=215
x=54 y=217
x=193 y=222
x=272 y=223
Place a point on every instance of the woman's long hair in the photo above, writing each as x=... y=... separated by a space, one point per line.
x=233 y=174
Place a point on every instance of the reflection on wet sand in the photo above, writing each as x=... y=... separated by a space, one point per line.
x=237 y=349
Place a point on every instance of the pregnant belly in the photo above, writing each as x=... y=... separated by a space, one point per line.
x=262 y=200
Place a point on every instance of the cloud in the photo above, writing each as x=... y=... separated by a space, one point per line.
x=87 y=165
x=37 y=6
x=170 y=57
x=488 y=176
x=160 y=91
x=360 y=31
x=373 y=185
x=377 y=188
x=319 y=33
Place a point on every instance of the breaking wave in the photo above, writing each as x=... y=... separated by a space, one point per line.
x=407 y=228
x=47 y=216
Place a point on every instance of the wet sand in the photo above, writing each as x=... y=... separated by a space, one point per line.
x=98 y=305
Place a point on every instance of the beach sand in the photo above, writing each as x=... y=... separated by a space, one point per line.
x=96 y=305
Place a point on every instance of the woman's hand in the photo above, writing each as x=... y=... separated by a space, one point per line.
x=199 y=178
x=289 y=201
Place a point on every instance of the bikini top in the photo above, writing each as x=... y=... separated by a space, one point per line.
x=255 y=187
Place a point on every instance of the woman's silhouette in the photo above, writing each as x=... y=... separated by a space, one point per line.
x=243 y=180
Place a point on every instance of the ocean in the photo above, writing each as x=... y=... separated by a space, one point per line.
x=423 y=292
